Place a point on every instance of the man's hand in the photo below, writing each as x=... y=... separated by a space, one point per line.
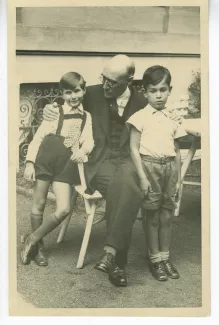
x=178 y=191
x=173 y=114
x=78 y=156
x=51 y=112
x=29 y=172
x=145 y=186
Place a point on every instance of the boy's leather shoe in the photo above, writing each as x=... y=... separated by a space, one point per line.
x=40 y=257
x=118 y=276
x=106 y=262
x=28 y=249
x=158 y=271
x=171 y=271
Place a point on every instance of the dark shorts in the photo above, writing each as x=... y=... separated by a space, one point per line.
x=163 y=177
x=53 y=161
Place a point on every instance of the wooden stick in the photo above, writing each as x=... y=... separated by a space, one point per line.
x=86 y=237
x=184 y=169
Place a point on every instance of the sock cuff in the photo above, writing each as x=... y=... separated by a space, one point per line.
x=165 y=255
x=36 y=215
x=154 y=258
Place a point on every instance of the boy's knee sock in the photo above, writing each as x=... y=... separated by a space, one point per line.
x=49 y=224
x=165 y=256
x=36 y=221
x=155 y=258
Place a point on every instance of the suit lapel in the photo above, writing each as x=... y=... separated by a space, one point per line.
x=102 y=108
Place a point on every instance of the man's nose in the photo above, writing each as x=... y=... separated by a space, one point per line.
x=106 y=85
x=158 y=94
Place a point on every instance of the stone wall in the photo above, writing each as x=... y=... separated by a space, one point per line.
x=173 y=30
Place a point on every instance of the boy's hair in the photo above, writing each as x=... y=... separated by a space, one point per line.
x=154 y=75
x=70 y=80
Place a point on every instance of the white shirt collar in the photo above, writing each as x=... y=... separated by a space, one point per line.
x=123 y=99
x=154 y=110
x=67 y=109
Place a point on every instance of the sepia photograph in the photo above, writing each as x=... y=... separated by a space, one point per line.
x=110 y=150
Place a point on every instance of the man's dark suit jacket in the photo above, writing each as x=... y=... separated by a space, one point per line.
x=97 y=105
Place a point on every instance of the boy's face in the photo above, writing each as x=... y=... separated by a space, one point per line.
x=157 y=95
x=73 y=97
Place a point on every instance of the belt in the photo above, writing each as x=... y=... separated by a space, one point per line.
x=158 y=160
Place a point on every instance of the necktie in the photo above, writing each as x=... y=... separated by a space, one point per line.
x=113 y=107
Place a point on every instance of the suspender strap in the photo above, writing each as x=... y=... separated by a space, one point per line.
x=83 y=121
x=61 y=119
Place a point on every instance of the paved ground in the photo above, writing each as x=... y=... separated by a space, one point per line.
x=61 y=285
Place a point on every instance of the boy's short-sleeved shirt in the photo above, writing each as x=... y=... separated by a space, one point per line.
x=158 y=132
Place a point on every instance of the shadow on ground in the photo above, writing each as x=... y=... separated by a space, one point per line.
x=61 y=285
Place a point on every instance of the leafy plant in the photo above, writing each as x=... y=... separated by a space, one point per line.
x=195 y=94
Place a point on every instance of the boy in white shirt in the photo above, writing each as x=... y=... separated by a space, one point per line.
x=52 y=157
x=156 y=156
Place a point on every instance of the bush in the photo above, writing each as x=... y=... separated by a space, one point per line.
x=195 y=95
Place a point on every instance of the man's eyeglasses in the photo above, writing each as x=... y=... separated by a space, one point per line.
x=110 y=83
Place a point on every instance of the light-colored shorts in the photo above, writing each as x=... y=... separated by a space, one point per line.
x=163 y=176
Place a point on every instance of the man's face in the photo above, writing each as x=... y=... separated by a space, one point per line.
x=73 y=97
x=114 y=82
x=157 y=95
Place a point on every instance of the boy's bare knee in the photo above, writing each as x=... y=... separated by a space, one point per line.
x=153 y=218
x=155 y=223
x=62 y=213
x=167 y=222
x=39 y=206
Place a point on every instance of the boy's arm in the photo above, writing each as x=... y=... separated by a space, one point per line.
x=179 y=133
x=33 y=147
x=178 y=166
x=135 y=137
x=178 y=158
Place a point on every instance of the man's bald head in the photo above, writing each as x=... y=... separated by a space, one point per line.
x=119 y=70
x=121 y=66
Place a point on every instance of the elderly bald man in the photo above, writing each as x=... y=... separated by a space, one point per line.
x=109 y=168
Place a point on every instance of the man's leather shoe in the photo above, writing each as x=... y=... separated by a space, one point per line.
x=158 y=271
x=118 y=276
x=171 y=271
x=106 y=262
x=40 y=257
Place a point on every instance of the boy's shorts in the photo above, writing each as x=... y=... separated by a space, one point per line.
x=53 y=162
x=163 y=176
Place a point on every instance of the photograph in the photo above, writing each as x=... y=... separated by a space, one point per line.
x=109 y=173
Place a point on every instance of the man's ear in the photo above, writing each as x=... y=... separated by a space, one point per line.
x=171 y=89
x=130 y=80
x=84 y=91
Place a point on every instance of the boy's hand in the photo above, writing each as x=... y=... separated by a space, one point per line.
x=78 y=156
x=145 y=186
x=29 y=172
x=51 y=112
x=178 y=191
